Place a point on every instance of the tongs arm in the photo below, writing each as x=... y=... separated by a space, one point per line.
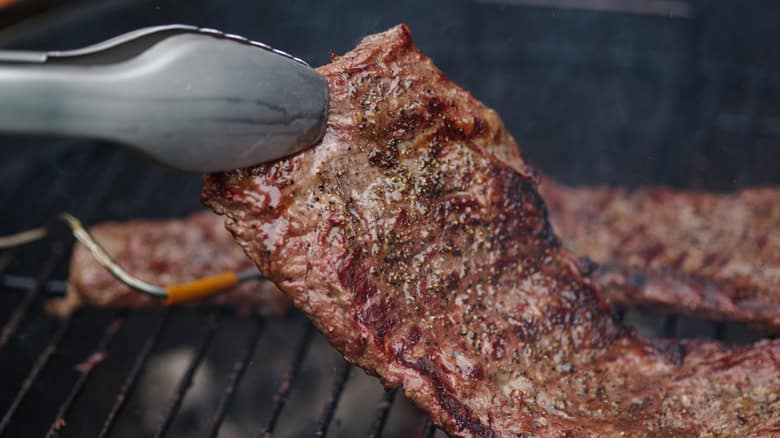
x=195 y=99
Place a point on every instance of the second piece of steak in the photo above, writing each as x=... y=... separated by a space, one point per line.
x=415 y=239
x=705 y=254
x=164 y=252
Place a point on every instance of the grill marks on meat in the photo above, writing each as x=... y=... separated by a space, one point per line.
x=414 y=237
x=710 y=255
x=164 y=252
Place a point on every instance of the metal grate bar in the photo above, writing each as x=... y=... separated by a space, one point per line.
x=102 y=185
x=86 y=370
x=39 y=365
x=339 y=382
x=16 y=318
x=382 y=411
x=235 y=378
x=187 y=378
x=429 y=429
x=133 y=375
x=288 y=381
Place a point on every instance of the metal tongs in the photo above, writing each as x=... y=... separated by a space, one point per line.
x=195 y=99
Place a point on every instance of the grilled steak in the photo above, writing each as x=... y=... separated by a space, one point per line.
x=164 y=252
x=415 y=239
x=705 y=254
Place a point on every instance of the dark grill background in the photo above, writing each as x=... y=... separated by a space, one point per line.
x=592 y=97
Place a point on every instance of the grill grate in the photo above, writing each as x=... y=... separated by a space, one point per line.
x=382 y=411
x=235 y=378
x=85 y=368
x=27 y=383
x=132 y=377
x=186 y=381
x=339 y=381
x=10 y=327
x=281 y=397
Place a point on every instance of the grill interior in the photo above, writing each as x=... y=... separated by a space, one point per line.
x=691 y=101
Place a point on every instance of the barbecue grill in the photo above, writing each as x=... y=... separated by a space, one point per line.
x=596 y=92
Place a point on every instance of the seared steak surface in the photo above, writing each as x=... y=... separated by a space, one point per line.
x=164 y=252
x=415 y=239
x=705 y=254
